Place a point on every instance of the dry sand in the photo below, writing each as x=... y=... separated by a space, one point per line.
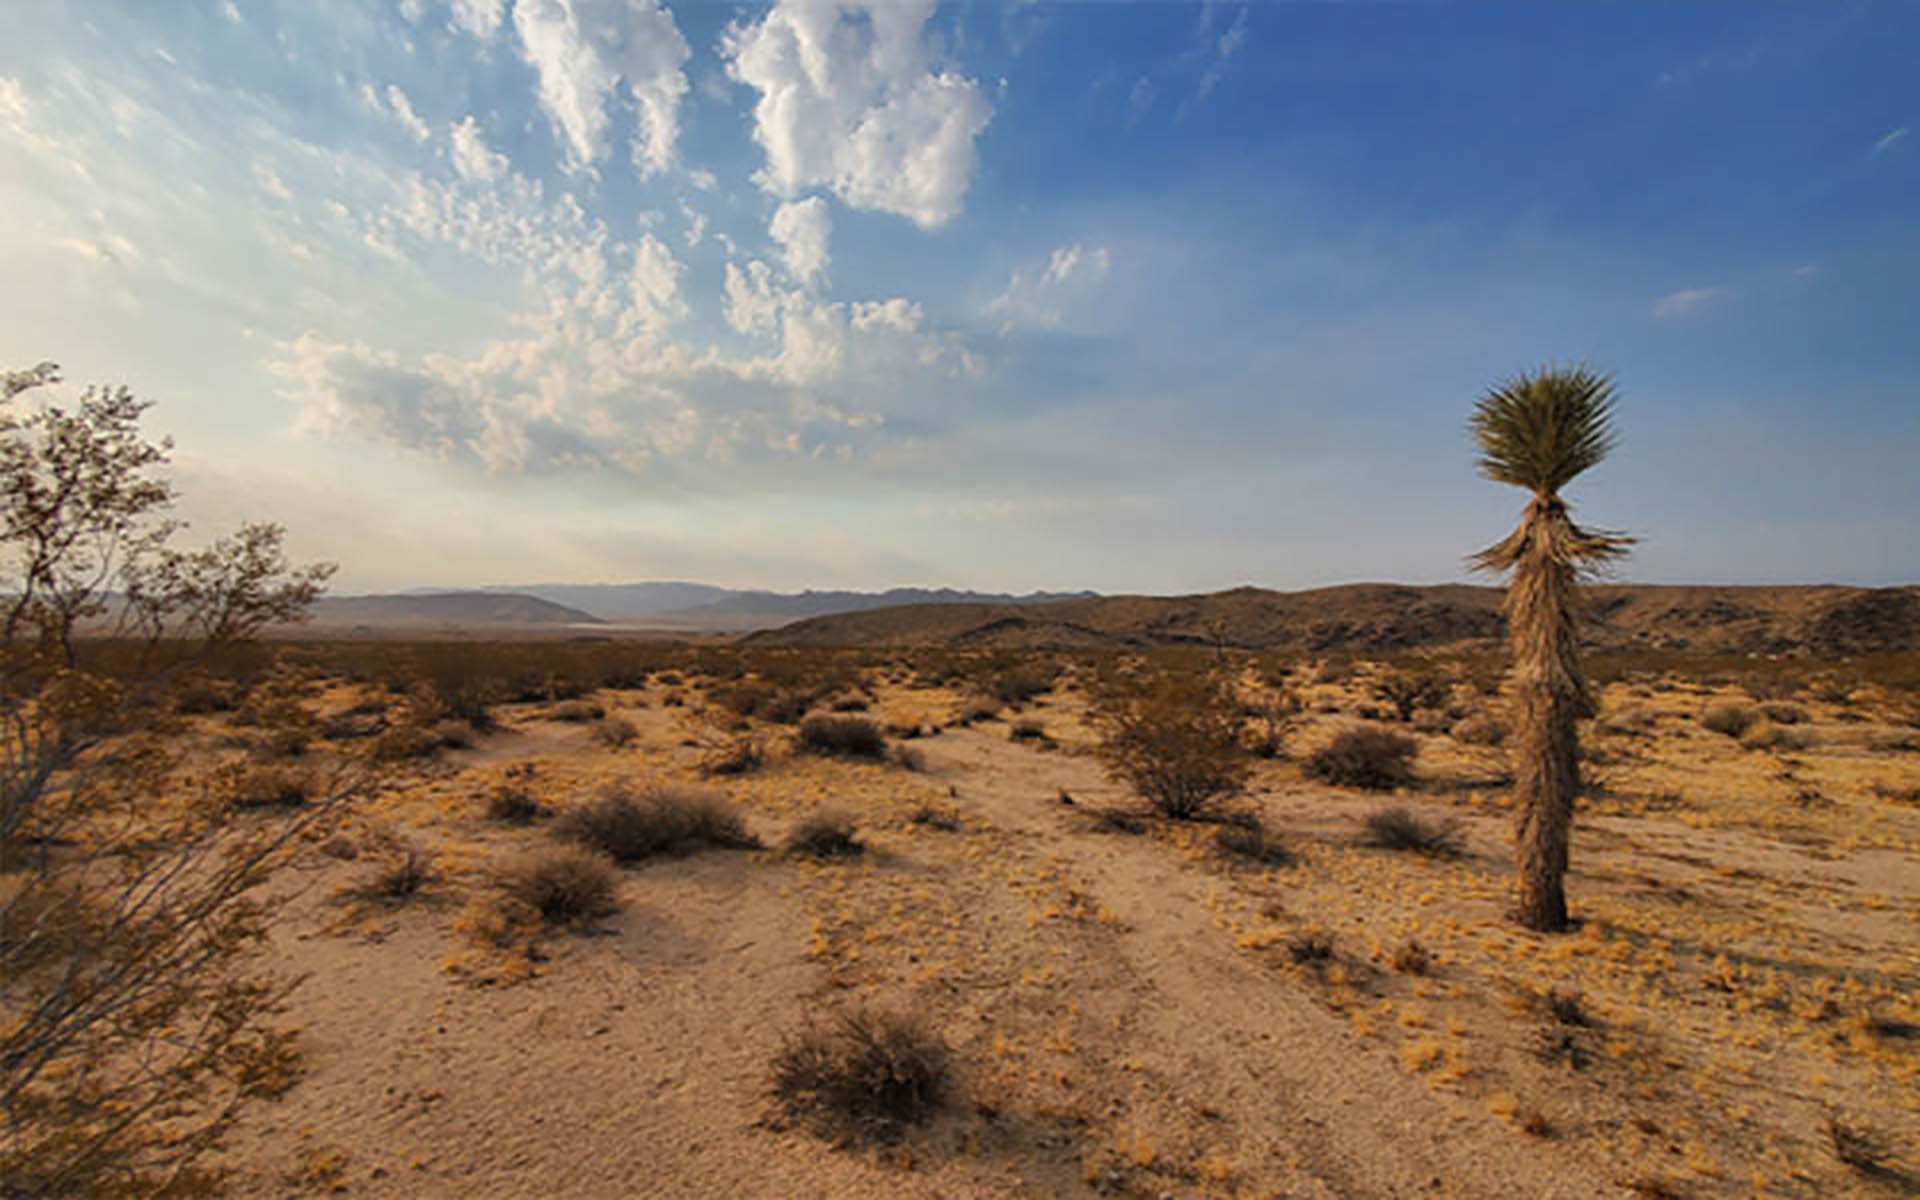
x=1124 y=1010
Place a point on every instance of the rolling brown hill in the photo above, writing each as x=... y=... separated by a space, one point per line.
x=1820 y=620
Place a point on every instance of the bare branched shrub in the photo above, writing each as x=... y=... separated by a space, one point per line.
x=1399 y=829
x=631 y=827
x=1374 y=759
x=1174 y=738
x=842 y=737
x=865 y=1077
x=134 y=1021
x=120 y=921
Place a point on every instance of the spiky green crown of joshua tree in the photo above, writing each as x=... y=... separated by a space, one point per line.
x=1539 y=432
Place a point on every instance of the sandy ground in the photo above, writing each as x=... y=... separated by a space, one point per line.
x=1124 y=1010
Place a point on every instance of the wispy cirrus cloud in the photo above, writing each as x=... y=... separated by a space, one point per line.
x=1037 y=298
x=1688 y=300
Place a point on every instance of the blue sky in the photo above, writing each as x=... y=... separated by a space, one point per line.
x=1145 y=297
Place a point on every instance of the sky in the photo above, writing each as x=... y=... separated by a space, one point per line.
x=1005 y=295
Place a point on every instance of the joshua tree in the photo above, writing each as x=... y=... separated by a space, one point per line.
x=1538 y=432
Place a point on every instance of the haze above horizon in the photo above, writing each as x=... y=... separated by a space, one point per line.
x=1005 y=297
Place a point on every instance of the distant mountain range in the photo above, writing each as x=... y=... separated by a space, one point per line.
x=1367 y=618
x=668 y=605
x=445 y=610
x=1826 y=621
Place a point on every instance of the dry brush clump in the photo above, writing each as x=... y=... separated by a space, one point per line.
x=927 y=816
x=403 y=875
x=825 y=835
x=1480 y=729
x=1029 y=730
x=863 y=1076
x=1409 y=691
x=575 y=712
x=564 y=886
x=1021 y=683
x=404 y=743
x=266 y=787
x=1730 y=718
x=765 y=702
x=631 y=827
x=614 y=732
x=843 y=737
x=1245 y=836
x=1765 y=735
x=1398 y=828
x=512 y=800
x=729 y=743
x=1174 y=738
x=1367 y=758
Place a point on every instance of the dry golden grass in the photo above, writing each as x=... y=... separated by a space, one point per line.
x=1151 y=1014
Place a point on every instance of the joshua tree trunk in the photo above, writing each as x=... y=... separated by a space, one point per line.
x=1547 y=781
x=1550 y=697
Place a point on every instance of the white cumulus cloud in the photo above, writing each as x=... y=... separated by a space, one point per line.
x=271 y=183
x=803 y=228
x=481 y=18
x=13 y=100
x=850 y=101
x=402 y=108
x=471 y=155
x=582 y=49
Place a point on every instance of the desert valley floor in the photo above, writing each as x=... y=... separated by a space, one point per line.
x=1130 y=1009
